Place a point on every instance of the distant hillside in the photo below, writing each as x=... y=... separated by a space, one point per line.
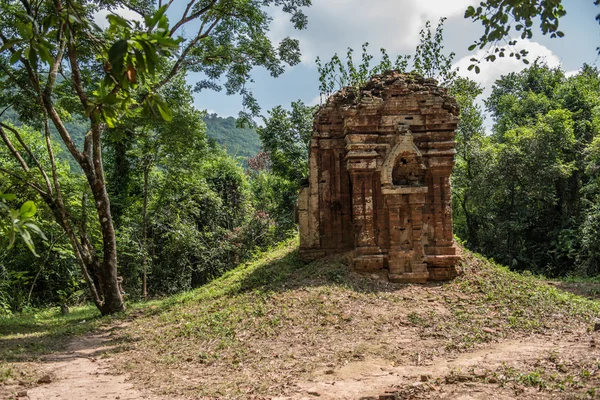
x=242 y=142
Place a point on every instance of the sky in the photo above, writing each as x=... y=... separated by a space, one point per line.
x=335 y=25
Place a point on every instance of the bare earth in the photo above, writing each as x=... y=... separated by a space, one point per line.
x=84 y=371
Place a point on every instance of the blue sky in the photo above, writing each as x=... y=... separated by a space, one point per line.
x=335 y=25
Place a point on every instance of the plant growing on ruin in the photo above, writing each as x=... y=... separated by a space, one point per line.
x=429 y=61
x=335 y=74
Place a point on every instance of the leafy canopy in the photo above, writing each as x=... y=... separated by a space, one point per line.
x=503 y=20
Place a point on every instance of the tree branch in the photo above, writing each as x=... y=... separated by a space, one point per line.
x=13 y=150
x=182 y=58
x=185 y=19
x=53 y=72
x=33 y=157
x=25 y=181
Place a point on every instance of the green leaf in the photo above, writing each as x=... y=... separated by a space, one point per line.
x=11 y=238
x=49 y=21
x=116 y=54
x=151 y=21
x=8 y=196
x=32 y=56
x=110 y=99
x=36 y=229
x=45 y=55
x=140 y=60
x=14 y=58
x=9 y=44
x=165 y=111
x=116 y=20
x=151 y=58
x=26 y=30
x=73 y=19
x=28 y=210
x=110 y=116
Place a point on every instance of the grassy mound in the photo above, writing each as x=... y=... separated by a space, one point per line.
x=269 y=323
x=273 y=321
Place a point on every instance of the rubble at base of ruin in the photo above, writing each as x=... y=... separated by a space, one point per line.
x=379 y=184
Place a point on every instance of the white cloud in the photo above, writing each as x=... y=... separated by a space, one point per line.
x=491 y=71
x=335 y=25
x=569 y=74
x=102 y=22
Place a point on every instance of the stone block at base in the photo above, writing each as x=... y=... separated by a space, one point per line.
x=371 y=263
x=442 y=273
x=409 y=277
x=311 y=255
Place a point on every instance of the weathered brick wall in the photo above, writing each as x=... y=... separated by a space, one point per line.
x=379 y=184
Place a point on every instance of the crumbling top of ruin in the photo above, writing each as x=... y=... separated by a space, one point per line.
x=380 y=163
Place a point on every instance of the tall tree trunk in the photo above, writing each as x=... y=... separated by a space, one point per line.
x=108 y=278
x=145 y=234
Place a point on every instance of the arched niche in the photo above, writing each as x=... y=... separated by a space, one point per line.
x=403 y=166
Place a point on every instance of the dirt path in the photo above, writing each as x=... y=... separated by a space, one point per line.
x=472 y=375
x=83 y=372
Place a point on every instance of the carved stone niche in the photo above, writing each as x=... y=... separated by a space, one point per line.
x=379 y=182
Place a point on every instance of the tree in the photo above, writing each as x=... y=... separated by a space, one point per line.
x=286 y=138
x=140 y=145
x=471 y=152
x=277 y=173
x=55 y=63
x=499 y=17
x=528 y=194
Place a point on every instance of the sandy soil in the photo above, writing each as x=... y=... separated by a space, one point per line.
x=82 y=372
x=467 y=376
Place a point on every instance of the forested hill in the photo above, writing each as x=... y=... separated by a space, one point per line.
x=237 y=141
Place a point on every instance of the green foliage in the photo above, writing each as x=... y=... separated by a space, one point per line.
x=201 y=225
x=527 y=195
x=277 y=174
x=275 y=197
x=18 y=223
x=334 y=75
x=25 y=279
x=429 y=59
x=498 y=17
x=57 y=66
x=286 y=137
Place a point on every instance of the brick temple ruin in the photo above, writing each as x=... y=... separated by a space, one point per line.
x=379 y=184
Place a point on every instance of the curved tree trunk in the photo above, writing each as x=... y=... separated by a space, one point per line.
x=107 y=271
